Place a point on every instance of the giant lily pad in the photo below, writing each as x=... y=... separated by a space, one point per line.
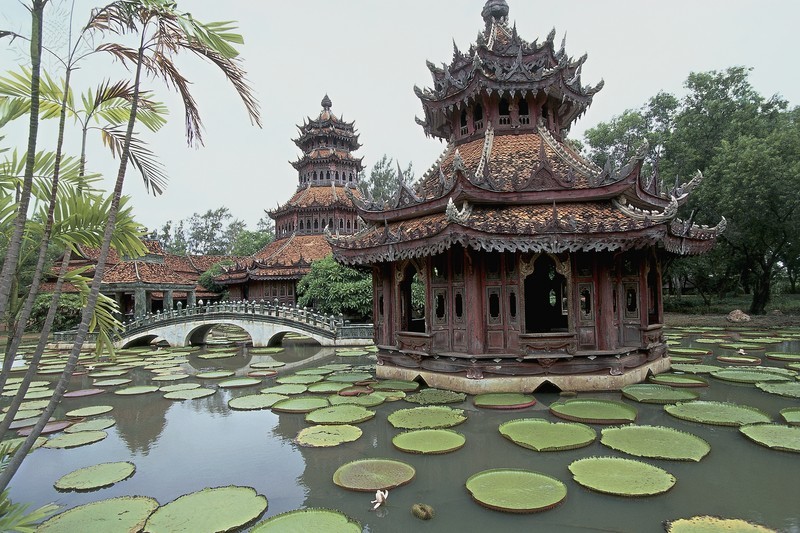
x=780 y=356
x=288 y=389
x=326 y=520
x=350 y=377
x=713 y=524
x=739 y=359
x=652 y=393
x=54 y=426
x=340 y=414
x=236 y=383
x=302 y=404
x=543 y=436
x=169 y=377
x=89 y=411
x=211 y=509
x=622 y=477
x=368 y=475
x=655 y=442
x=694 y=368
x=254 y=402
x=678 y=380
x=302 y=379
x=429 y=441
x=81 y=393
x=189 y=394
x=95 y=424
x=594 y=411
x=687 y=351
x=749 y=375
x=775 y=436
x=396 y=384
x=111 y=382
x=266 y=349
x=790 y=389
x=215 y=374
x=717 y=413
x=216 y=355
x=435 y=396
x=125 y=513
x=73 y=440
x=95 y=476
x=791 y=415
x=139 y=389
x=516 y=491
x=267 y=365
x=504 y=400
x=369 y=400
x=427 y=417
x=327 y=387
x=179 y=386
x=327 y=435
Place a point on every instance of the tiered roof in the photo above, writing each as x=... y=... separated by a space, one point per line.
x=520 y=187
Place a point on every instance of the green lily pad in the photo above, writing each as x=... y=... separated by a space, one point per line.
x=544 y=436
x=125 y=513
x=216 y=355
x=693 y=368
x=327 y=387
x=789 y=390
x=73 y=440
x=111 y=382
x=504 y=400
x=170 y=377
x=369 y=475
x=370 y=400
x=301 y=404
x=316 y=371
x=215 y=374
x=429 y=441
x=749 y=375
x=685 y=360
x=302 y=379
x=95 y=424
x=435 y=396
x=89 y=411
x=349 y=377
x=236 y=383
x=746 y=346
x=594 y=411
x=211 y=509
x=775 y=436
x=661 y=394
x=267 y=365
x=340 y=414
x=622 y=477
x=139 y=389
x=327 y=520
x=190 y=394
x=427 y=417
x=108 y=373
x=717 y=413
x=287 y=390
x=780 y=356
x=713 y=524
x=265 y=349
x=739 y=359
x=396 y=384
x=516 y=491
x=179 y=386
x=327 y=435
x=791 y=415
x=678 y=380
x=95 y=477
x=351 y=353
x=254 y=402
x=655 y=442
x=687 y=351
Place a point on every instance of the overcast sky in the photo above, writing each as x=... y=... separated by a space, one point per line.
x=367 y=55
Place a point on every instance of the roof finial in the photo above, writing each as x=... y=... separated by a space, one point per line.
x=326 y=102
x=497 y=9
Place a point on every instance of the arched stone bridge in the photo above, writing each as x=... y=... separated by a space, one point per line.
x=266 y=323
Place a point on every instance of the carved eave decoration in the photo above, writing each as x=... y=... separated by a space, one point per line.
x=686 y=238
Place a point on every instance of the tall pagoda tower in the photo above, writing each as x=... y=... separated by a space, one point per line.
x=538 y=267
x=327 y=176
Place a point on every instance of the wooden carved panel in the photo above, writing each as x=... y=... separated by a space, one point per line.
x=496 y=340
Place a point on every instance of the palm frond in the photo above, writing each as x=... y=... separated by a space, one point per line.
x=17 y=86
x=141 y=157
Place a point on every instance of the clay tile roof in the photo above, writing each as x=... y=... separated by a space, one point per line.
x=144 y=272
x=297 y=250
x=321 y=196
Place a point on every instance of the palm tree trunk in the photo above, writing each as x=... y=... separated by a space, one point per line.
x=15 y=244
x=88 y=310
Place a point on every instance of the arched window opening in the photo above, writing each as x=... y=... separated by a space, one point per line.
x=440 y=306
x=301 y=226
x=494 y=305
x=328 y=175
x=315 y=175
x=350 y=178
x=412 y=301
x=341 y=223
x=348 y=225
x=512 y=306
x=458 y=307
x=504 y=111
x=545 y=295
x=524 y=112
x=316 y=224
x=463 y=122
x=477 y=116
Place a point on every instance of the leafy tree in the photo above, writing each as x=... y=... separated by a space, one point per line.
x=206 y=279
x=331 y=288
x=250 y=242
x=382 y=183
x=214 y=233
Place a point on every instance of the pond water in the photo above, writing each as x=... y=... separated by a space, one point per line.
x=183 y=446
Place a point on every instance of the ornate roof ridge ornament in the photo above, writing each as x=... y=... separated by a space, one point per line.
x=682 y=191
x=404 y=196
x=482 y=170
x=585 y=166
x=635 y=159
x=636 y=213
x=455 y=215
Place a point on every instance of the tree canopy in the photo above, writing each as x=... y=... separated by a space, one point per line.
x=331 y=288
x=382 y=182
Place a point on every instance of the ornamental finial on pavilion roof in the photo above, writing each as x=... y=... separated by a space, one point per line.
x=326 y=102
x=497 y=9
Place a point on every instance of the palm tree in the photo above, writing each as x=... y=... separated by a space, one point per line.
x=163 y=32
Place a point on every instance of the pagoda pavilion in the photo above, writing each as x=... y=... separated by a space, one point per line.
x=538 y=267
x=327 y=171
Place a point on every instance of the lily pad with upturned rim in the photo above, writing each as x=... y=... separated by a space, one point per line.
x=95 y=476
x=327 y=520
x=516 y=491
x=288 y=389
x=688 y=351
x=427 y=417
x=749 y=375
x=713 y=524
x=255 y=402
x=136 y=390
x=780 y=356
x=179 y=386
x=73 y=440
x=190 y=394
x=92 y=410
x=739 y=359
x=660 y=394
x=113 y=382
x=340 y=414
x=396 y=384
x=211 y=509
x=327 y=387
x=717 y=413
x=267 y=365
x=368 y=475
x=301 y=404
x=504 y=400
x=95 y=424
x=82 y=393
x=678 y=380
x=169 y=377
x=621 y=477
x=594 y=411
x=369 y=400
x=237 y=383
x=124 y=513
x=349 y=377
x=301 y=379
x=655 y=442
x=435 y=397
x=215 y=374
x=774 y=436
x=543 y=436
x=326 y=436
x=265 y=350
x=54 y=426
x=791 y=415
x=789 y=389
x=694 y=368
x=429 y=441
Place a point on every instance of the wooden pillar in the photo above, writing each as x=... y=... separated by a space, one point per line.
x=607 y=336
x=473 y=286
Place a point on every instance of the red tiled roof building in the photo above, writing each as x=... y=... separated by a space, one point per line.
x=537 y=265
x=327 y=174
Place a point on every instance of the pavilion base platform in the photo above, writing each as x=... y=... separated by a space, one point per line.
x=602 y=373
